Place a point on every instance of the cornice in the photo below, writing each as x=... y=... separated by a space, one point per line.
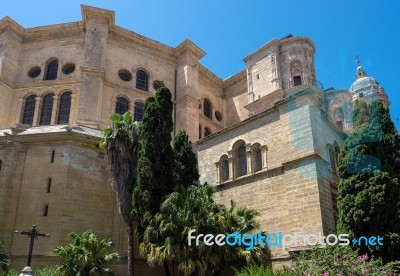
x=51 y=83
x=6 y=82
x=238 y=77
x=97 y=15
x=188 y=46
x=132 y=40
x=11 y=27
x=57 y=31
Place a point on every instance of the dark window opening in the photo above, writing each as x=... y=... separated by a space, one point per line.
x=207 y=132
x=139 y=112
x=142 y=80
x=121 y=106
x=47 y=108
x=53 y=152
x=29 y=110
x=68 y=68
x=297 y=80
x=34 y=72
x=125 y=75
x=257 y=160
x=51 y=72
x=48 y=185
x=218 y=115
x=207 y=108
x=46 y=210
x=224 y=169
x=64 y=108
x=1 y=163
x=200 y=129
x=242 y=161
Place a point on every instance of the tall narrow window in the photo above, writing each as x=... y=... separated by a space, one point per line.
x=241 y=159
x=122 y=105
x=142 y=80
x=257 y=158
x=339 y=115
x=29 y=110
x=139 y=112
x=48 y=185
x=224 y=168
x=200 y=131
x=51 y=70
x=207 y=108
x=46 y=210
x=1 y=163
x=53 y=153
x=64 y=108
x=47 y=108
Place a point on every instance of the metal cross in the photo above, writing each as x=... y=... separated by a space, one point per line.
x=358 y=60
x=33 y=234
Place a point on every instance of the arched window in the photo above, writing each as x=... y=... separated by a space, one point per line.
x=29 y=110
x=142 y=80
x=64 y=108
x=257 y=158
x=51 y=70
x=207 y=131
x=339 y=117
x=224 y=168
x=241 y=159
x=207 y=108
x=47 y=108
x=139 y=112
x=122 y=105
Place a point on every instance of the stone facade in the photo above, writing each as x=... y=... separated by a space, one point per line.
x=271 y=130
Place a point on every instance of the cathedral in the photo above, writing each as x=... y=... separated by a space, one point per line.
x=266 y=137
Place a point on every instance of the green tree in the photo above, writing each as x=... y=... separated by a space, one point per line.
x=155 y=178
x=85 y=255
x=360 y=113
x=369 y=188
x=186 y=171
x=4 y=262
x=121 y=143
x=192 y=207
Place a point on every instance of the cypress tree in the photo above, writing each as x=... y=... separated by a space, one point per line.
x=369 y=188
x=186 y=171
x=155 y=178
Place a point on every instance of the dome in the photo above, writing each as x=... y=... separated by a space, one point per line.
x=364 y=84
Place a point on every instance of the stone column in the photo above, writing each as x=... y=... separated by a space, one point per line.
x=264 y=150
x=230 y=162
x=249 y=158
x=19 y=115
x=54 y=111
x=36 y=114
x=217 y=164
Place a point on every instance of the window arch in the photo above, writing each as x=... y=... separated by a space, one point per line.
x=138 y=112
x=241 y=159
x=51 y=70
x=47 y=108
x=64 y=108
x=121 y=105
x=224 y=168
x=142 y=80
x=257 y=157
x=29 y=110
x=207 y=132
x=207 y=108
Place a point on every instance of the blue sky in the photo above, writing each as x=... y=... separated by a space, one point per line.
x=229 y=30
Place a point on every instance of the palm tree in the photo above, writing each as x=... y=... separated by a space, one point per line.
x=121 y=143
x=166 y=238
x=4 y=263
x=85 y=255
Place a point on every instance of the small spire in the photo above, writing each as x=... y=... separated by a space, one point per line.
x=360 y=70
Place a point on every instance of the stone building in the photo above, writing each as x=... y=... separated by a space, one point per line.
x=266 y=137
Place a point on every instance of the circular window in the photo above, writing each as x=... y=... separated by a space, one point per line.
x=68 y=68
x=157 y=84
x=34 y=72
x=124 y=75
x=218 y=115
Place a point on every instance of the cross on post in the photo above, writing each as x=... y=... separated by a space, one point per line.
x=33 y=234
